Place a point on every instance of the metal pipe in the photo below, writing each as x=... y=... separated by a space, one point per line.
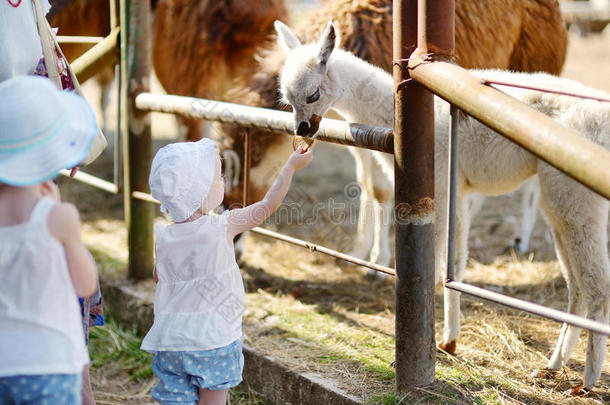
x=422 y=37
x=113 y=13
x=123 y=123
x=78 y=39
x=335 y=131
x=103 y=54
x=545 y=90
x=559 y=146
x=330 y=252
x=116 y=162
x=92 y=181
x=452 y=190
x=145 y=197
x=530 y=307
x=247 y=166
x=414 y=197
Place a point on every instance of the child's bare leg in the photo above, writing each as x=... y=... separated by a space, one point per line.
x=211 y=397
x=87 y=390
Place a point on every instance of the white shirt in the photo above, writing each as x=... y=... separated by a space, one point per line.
x=199 y=299
x=40 y=322
x=20 y=48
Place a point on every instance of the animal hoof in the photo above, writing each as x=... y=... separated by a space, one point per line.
x=448 y=347
x=580 y=391
x=545 y=373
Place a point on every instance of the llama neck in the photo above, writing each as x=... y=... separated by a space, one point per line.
x=364 y=92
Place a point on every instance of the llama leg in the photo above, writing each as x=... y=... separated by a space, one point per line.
x=596 y=290
x=589 y=266
x=529 y=208
x=105 y=80
x=380 y=253
x=579 y=219
x=384 y=191
x=451 y=297
x=364 y=236
x=599 y=311
x=474 y=201
x=569 y=334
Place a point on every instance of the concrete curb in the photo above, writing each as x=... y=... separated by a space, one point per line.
x=275 y=382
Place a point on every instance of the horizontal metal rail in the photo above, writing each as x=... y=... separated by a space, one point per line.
x=78 y=39
x=545 y=90
x=92 y=181
x=103 y=54
x=298 y=242
x=144 y=197
x=559 y=146
x=335 y=131
x=530 y=307
x=330 y=252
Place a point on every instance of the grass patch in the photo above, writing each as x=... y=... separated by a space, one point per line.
x=243 y=394
x=335 y=339
x=113 y=344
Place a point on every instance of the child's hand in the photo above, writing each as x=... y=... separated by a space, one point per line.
x=300 y=159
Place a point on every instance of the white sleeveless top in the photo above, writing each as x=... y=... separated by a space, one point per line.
x=199 y=299
x=20 y=48
x=40 y=322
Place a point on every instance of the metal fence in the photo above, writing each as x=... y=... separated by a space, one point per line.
x=415 y=310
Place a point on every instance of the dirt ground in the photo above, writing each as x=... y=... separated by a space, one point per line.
x=281 y=276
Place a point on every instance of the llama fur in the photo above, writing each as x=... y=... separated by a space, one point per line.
x=201 y=47
x=87 y=18
x=489 y=164
x=525 y=35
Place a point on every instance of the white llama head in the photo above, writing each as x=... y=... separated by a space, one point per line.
x=304 y=81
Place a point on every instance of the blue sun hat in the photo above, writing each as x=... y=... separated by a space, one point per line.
x=181 y=175
x=42 y=130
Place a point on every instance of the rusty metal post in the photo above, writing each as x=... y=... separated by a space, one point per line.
x=137 y=141
x=414 y=188
x=247 y=166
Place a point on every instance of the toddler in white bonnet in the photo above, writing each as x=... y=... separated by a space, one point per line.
x=199 y=299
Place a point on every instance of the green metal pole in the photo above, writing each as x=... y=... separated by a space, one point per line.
x=102 y=55
x=136 y=136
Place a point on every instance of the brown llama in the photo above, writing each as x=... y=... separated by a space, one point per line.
x=523 y=35
x=86 y=18
x=201 y=46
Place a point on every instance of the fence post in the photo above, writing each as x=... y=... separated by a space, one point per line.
x=136 y=139
x=414 y=190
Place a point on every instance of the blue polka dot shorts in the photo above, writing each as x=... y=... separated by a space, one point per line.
x=182 y=373
x=51 y=389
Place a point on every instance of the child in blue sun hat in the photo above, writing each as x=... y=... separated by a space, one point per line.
x=199 y=299
x=43 y=262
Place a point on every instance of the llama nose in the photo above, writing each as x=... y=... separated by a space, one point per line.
x=303 y=128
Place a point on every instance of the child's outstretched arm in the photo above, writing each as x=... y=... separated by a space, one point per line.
x=64 y=225
x=243 y=219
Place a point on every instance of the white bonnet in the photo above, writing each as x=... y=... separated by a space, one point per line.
x=181 y=175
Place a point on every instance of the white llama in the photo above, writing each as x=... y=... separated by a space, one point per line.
x=530 y=197
x=318 y=77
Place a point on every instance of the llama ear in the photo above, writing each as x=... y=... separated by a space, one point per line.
x=285 y=37
x=327 y=43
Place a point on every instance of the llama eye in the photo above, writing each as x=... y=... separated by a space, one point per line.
x=314 y=97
